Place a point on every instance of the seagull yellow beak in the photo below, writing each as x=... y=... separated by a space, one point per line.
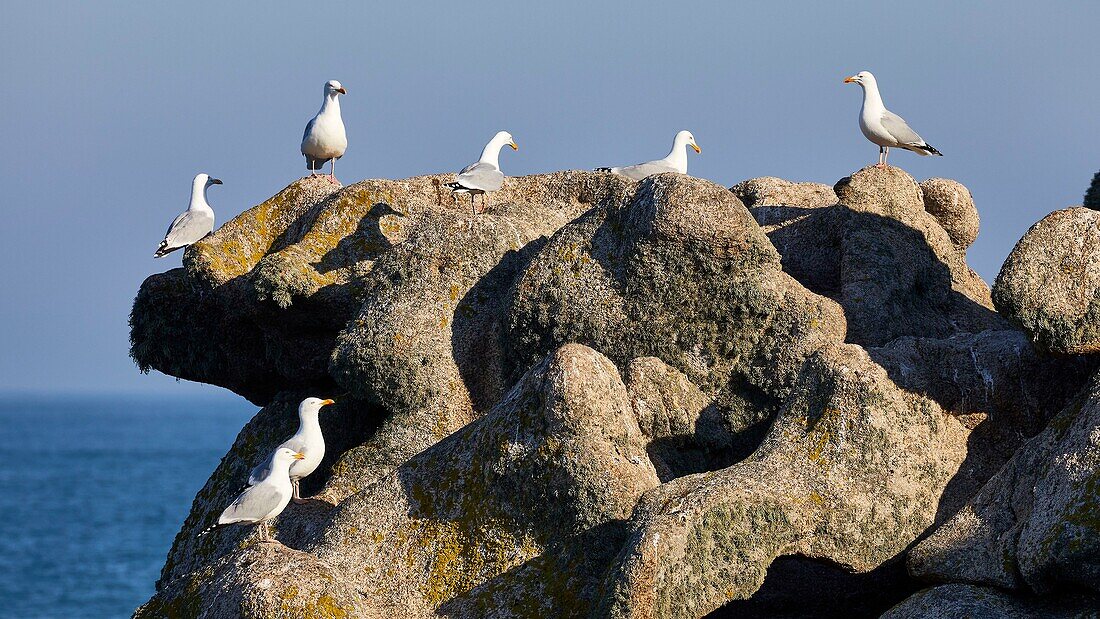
x=850 y=79
x=327 y=402
x=342 y=91
x=513 y=145
x=299 y=456
x=697 y=149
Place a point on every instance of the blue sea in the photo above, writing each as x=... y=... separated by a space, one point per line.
x=92 y=491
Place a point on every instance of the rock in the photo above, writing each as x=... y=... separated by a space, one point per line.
x=1036 y=523
x=605 y=397
x=882 y=257
x=995 y=382
x=850 y=473
x=772 y=191
x=950 y=203
x=688 y=432
x=460 y=527
x=678 y=271
x=261 y=580
x=1050 y=283
x=426 y=342
x=988 y=603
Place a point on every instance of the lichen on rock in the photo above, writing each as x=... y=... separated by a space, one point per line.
x=616 y=399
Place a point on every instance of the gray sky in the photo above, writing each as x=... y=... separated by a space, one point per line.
x=109 y=110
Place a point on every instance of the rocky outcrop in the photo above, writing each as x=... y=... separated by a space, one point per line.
x=1050 y=283
x=1036 y=524
x=851 y=471
x=772 y=191
x=950 y=203
x=616 y=399
x=639 y=278
x=884 y=258
x=989 y=603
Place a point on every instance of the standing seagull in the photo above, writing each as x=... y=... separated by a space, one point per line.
x=265 y=499
x=675 y=161
x=306 y=441
x=485 y=175
x=194 y=223
x=324 y=139
x=884 y=127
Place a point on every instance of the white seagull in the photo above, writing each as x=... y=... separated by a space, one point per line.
x=194 y=223
x=675 y=161
x=306 y=441
x=325 y=139
x=884 y=127
x=485 y=175
x=265 y=499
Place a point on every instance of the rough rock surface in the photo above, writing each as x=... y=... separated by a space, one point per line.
x=607 y=398
x=951 y=204
x=886 y=260
x=1036 y=523
x=851 y=472
x=1050 y=283
x=772 y=191
x=639 y=278
x=951 y=601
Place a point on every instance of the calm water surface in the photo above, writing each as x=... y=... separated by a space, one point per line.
x=92 y=492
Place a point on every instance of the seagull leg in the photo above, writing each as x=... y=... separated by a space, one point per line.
x=879 y=164
x=332 y=171
x=473 y=207
x=297 y=497
x=886 y=156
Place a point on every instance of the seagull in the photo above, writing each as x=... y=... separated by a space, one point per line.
x=265 y=499
x=884 y=127
x=485 y=175
x=675 y=161
x=194 y=223
x=324 y=139
x=306 y=441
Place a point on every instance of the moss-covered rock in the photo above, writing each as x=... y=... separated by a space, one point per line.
x=486 y=457
x=1050 y=283
x=679 y=271
x=851 y=472
x=1036 y=524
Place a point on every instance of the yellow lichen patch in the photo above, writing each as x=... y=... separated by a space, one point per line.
x=289 y=593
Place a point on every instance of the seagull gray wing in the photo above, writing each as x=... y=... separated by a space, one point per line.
x=253 y=504
x=263 y=469
x=643 y=170
x=481 y=176
x=897 y=127
x=189 y=227
x=305 y=134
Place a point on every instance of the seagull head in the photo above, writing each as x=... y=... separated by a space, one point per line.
x=333 y=88
x=505 y=139
x=285 y=456
x=204 y=180
x=312 y=406
x=686 y=139
x=862 y=78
